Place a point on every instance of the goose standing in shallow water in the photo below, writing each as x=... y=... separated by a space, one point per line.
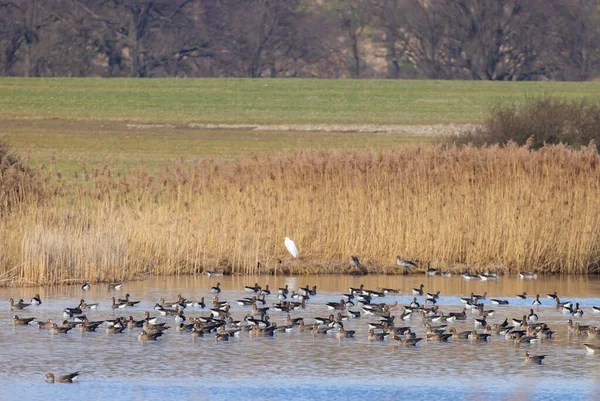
x=70 y=378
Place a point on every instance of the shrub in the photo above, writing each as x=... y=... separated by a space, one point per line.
x=536 y=122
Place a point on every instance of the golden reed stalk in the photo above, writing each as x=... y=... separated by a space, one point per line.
x=460 y=208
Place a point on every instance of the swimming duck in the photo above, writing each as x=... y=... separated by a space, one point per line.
x=537 y=301
x=431 y=272
x=265 y=291
x=535 y=359
x=552 y=296
x=22 y=321
x=577 y=312
x=216 y=289
x=114 y=286
x=527 y=275
x=145 y=336
x=85 y=287
x=435 y=295
x=17 y=306
x=499 y=301
x=70 y=378
x=36 y=300
x=592 y=349
x=199 y=304
x=522 y=296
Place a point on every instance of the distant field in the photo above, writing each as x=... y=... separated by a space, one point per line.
x=86 y=119
x=267 y=101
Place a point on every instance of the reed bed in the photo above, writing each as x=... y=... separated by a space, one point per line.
x=460 y=208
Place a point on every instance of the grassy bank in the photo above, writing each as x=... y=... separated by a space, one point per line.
x=505 y=209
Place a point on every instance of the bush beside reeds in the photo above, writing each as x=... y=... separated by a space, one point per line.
x=508 y=208
x=538 y=121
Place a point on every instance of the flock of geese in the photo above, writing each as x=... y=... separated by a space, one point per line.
x=385 y=321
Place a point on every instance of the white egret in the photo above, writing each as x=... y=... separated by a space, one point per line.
x=291 y=247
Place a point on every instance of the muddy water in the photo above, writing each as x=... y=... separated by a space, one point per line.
x=297 y=365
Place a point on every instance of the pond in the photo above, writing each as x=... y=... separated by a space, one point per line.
x=298 y=365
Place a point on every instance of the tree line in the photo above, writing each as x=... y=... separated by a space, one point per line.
x=429 y=39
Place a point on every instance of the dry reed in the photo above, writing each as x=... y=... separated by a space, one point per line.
x=463 y=208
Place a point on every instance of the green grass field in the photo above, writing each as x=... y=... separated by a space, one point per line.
x=85 y=119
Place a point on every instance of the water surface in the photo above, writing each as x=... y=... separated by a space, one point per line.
x=297 y=365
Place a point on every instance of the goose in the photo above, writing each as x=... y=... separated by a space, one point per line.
x=532 y=317
x=70 y=378
x=535 y=359
x=377 y=336
x=217 y=289
x=408 y=342
x=145 y=336
x=537 y=301
x=22 y=321
x=60 y=330
x=433 y=295
x=577 y=312
x=336 y=305
x=463 y=335
x=128 y=302
x=266 y=290
x=522 y=296
x=199 y=304
x=479 y=336
x=17 y=306
x=438 y=337
x=345 y=333
x=414 y=303
x=468 y=276
x=255 y=288
x=407 y=264
x=119 y=305
x=36 y=300
x=552 y=296
x=418 y=291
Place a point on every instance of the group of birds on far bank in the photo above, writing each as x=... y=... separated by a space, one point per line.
x=408 y=265
x=388 y=320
